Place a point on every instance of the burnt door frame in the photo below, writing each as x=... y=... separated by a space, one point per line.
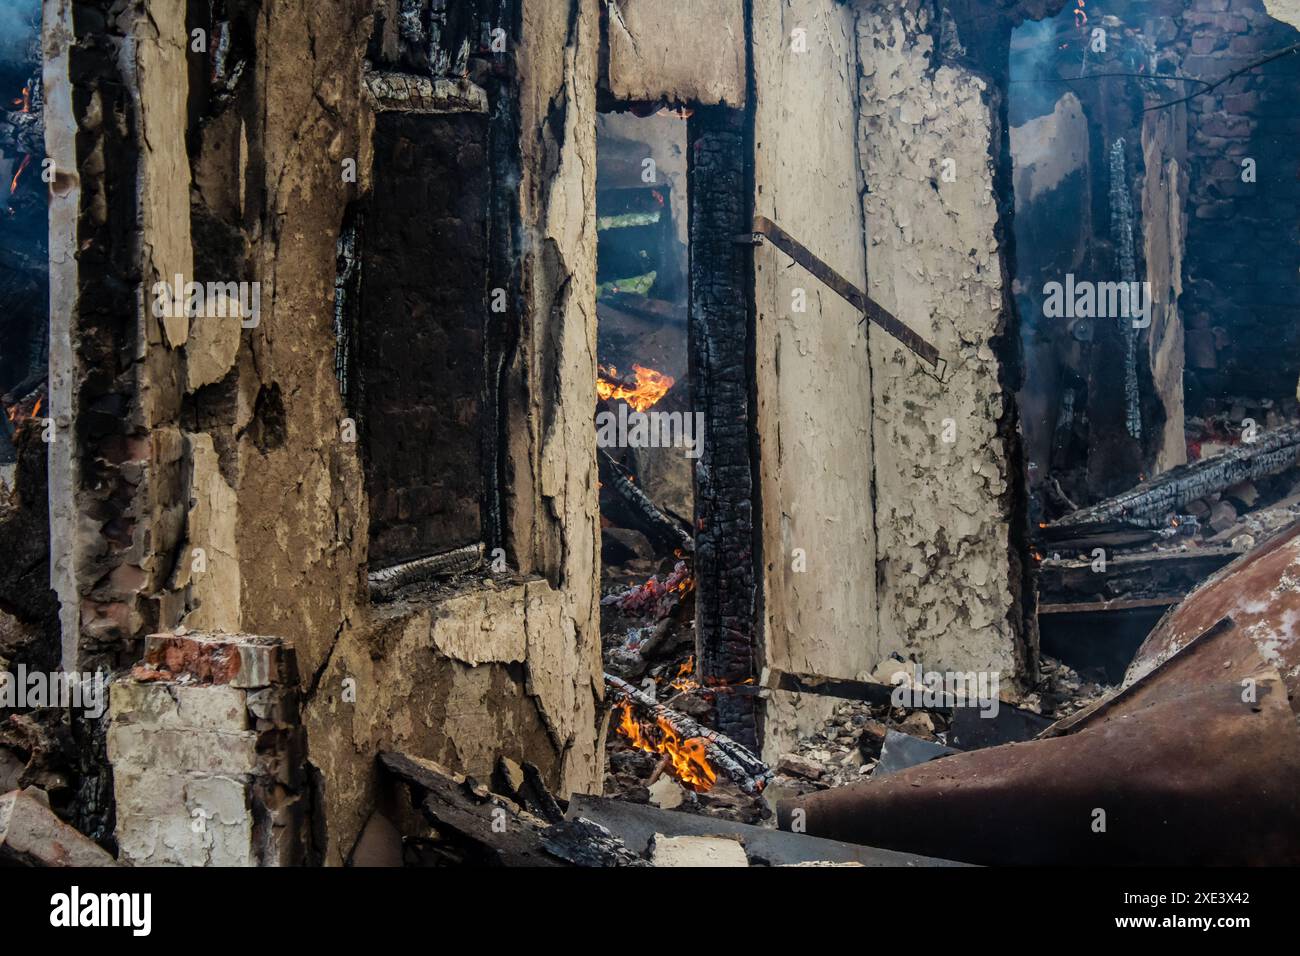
x=721 y=334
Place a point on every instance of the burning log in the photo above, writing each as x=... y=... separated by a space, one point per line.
x=647 y=387
x=662 y=530
x=385 y=582
x=1150 y=505
x=716 y=749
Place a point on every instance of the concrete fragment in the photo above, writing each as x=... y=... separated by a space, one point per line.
x=31 y=835
x=666 y=793
x=697 y=851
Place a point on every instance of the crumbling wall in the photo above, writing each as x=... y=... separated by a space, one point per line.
x=211 y=474
x=207 y=753
x=946 y=470
x=552 y=514
x=814 y=396
x=500 y=668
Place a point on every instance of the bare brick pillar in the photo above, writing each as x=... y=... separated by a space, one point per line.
x=208 y=754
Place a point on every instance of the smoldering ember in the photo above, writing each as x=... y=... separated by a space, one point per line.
x=581 y=433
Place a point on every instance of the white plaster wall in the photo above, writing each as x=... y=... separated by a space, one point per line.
x=813 y=370
x=947 y=587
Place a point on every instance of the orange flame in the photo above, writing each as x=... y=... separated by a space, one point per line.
x=650 y=386
x=1080 y=15
x=686 y=758
x=13 y=185
x=684 y=680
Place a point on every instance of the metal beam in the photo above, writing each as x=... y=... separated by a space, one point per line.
x=765 y=228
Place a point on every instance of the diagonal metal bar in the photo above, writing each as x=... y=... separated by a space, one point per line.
x=765 y=228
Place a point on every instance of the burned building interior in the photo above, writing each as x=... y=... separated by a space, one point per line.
x=647 y=433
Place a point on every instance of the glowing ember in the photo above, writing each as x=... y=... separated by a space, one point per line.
x=655 y=598
x=650 y=386
x=687 y=758
x=19 y=412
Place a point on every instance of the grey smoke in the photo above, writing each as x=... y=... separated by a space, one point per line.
x=19 y=23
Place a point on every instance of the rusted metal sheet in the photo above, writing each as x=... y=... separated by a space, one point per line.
x=1196 y=760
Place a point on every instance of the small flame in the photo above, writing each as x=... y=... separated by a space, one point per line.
x=1080 y=15
x=13 y=185
x=650 y=386
x=685 y=680
x=687 y=758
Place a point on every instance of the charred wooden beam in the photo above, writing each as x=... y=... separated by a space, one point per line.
x=494 y=830
x=386 y=581
x=1149 y=505
x=727 y=543
x=735 y=760
x=1164 y=575
x=649 y=518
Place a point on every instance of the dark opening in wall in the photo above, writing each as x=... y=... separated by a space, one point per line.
x=419 y=346
x=675 y=340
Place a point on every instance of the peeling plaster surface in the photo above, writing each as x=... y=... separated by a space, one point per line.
x=552 y=509
x=1288 y=11
x=813 y=369
x=656 y=52
x=443 y=682
x=948 y=592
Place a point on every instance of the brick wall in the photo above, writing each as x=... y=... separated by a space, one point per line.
x=1241 y=298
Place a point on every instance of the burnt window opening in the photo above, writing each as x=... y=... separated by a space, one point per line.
x=1160 y=442
x=675 y=353
x=641 y=345
x=412 y=367
x=24 y=231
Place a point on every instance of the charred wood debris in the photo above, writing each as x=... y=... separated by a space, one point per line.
x=1150 y=545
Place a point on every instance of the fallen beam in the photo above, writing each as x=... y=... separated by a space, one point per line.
x=1160 y=576
x=385 y=582
x=637 y=824
x=658 y=526
x=493 y=830
x=1149 y=505
x=31 y=835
